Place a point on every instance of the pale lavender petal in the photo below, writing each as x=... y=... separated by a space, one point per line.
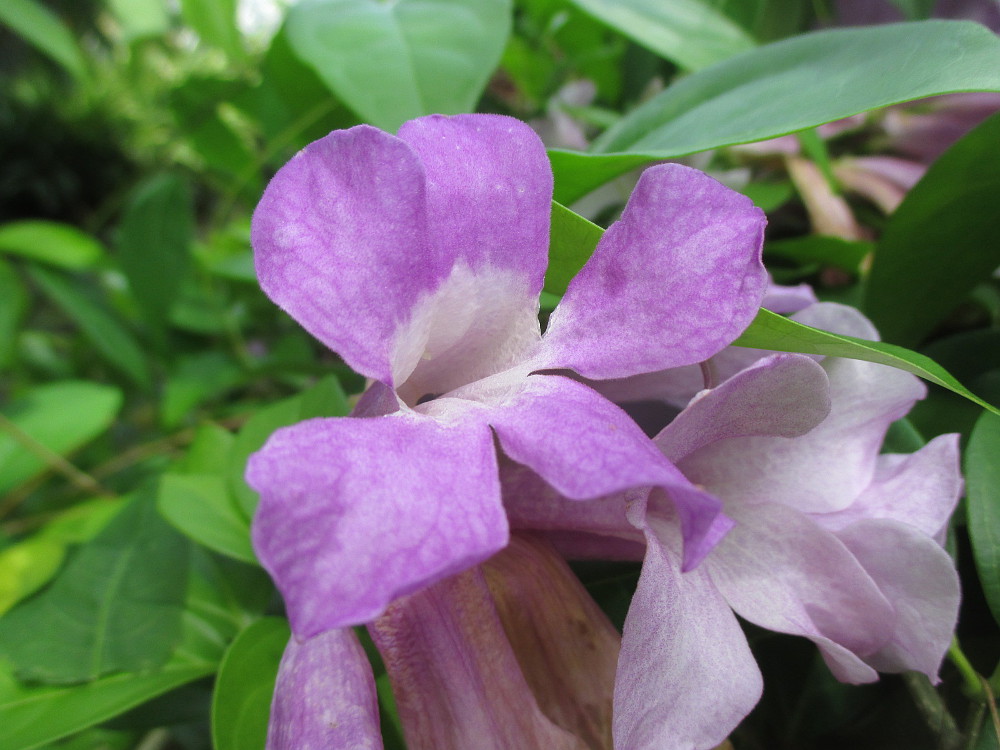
x=344 y=219
x=919 y=579
x=355 y=512
x=782 y=572
x=826 y=469
x=788 y=299
x=671 y=283
x=324 y=696
x=489 y=191
x=565 y=644
x=920 y=489
x=586 y=447
x=686 y=676
x=782 y=395
x=455 y=678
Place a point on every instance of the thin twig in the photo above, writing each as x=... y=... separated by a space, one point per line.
x=934 y=710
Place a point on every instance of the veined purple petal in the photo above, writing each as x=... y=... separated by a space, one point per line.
x=919 y=579
x=671 y=283
x=454 y=676
x=782 y=395
x=782 y=572
x=686 y=676
x=356 y=512
x=586 y=448
x=920 y=489
x=489 y=192
x=340 y=243
x=324 y=696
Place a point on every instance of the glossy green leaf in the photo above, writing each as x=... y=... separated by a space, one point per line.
x=215 y=22
x=46 y=31
x=117 y=606
x=390 y=62
x=202 y=507
x=773 y=332
x=13 y=305
x=691 y=33
x=241 y=703
x=108 y=336
x=942 y=240
x=154 y=242
x=572 y=240
x=51 y=242
x=788 y=86
x=61 y=417
x=982 y=472
x=325 y=399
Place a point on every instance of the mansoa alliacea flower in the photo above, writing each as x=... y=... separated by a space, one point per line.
x=832 y=541
x=419 y=259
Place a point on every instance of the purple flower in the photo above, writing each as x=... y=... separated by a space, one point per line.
x=832 y=541
x=419 y=259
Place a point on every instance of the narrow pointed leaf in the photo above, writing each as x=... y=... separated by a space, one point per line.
x=46 y=31
x=51 y=242
x=982 y=469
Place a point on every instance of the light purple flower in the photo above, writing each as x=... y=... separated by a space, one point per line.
x=832 y=541
x=419 y=259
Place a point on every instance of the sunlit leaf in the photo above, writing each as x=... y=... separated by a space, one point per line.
x=390 y=62
x=51 y=242
x=691 y=33
x=202 y=507
x=942 y=240
x=241 y=703
x=215 y=22
x=786 y=87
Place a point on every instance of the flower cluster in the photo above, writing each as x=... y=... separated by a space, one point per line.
x=484 y=451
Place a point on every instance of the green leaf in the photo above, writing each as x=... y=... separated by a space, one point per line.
x=13 y=305
x=982 y=472
x=941 y=241
x=61 y=417
x=429 y=55
x=771 y=331
x=915 y=9
x=51 y=242
x=44 y=29
x=833 y=251
x=141 y=18
x=788 y=86
x=691 y=33
x=154 y=242
x=117 y=606
x=198 y=378
x=215 y=23
x=241 y=703
x=109 y=337
x=325 y=399
x=202 y=507
x=572 y=240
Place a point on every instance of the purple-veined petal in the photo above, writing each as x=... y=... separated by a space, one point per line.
x=671 y=283
x=324 y=696
x=340 y=243
x=565 y=644
x=919 y=579
x=355 y=512
x=686 y=676
x=783 y=395
x=920 y=489
x=489 y=192
x=455 y=678
x=780 y=571
x=586 y=448
x=826 y=469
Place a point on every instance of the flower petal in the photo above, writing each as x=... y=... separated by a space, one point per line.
x=920 y=489
x=340 y=243
x=780 y=571
x=324 y=696
x=784 y=395
x=686 y=676
x=454 y=676
x=489 y=191
x=355 y=512
x=671 y=283
x=586 y=448
x=918 y=577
